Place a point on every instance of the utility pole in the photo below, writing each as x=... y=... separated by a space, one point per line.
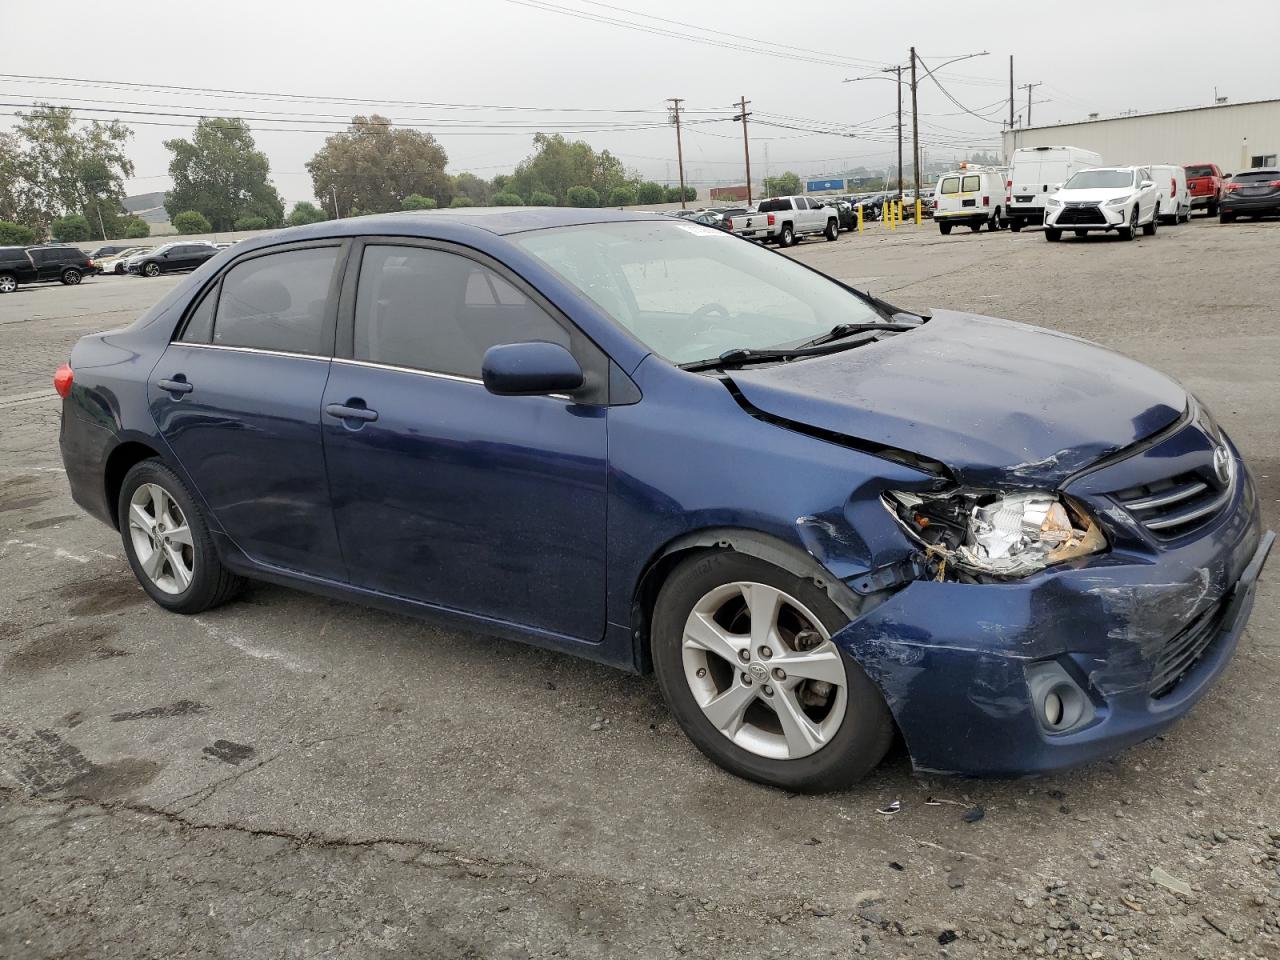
x=1029 y=87
x=675 y=118
x=915 y=126
x=898 y=70
x=746 y=149
x=333 y=193
x=1012 y=141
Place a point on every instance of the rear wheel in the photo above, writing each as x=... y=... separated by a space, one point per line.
x=1225 y=217
x=787 y=236
x=1149 y=229
x=71 y=276
x=1213 y=208
x=944 y=228
x=744 y=658
x=168 y=543
x=1015 y=224
x=8 y=283
x=1052 y=234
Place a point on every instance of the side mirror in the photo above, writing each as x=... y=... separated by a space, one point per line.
x=529 y=369
x=1227 y=176
x=1147 y=183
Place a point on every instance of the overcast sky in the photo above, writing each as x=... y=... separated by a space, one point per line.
x=1089 y=57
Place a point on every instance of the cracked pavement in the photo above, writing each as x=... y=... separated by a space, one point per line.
x=291 y=776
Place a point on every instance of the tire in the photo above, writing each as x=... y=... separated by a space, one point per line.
x=1015 y=225
x=151 y=270
x=1225 y=217
x=71 y=276
x=8 y=283
x=1213 y=208
x=1052 y=234
x=944 y=228
x=786 y=236
x=852 y=735
x=1131 y=231
x=118 y=270
x=1149 y=229
x=996 y=224
x=189 y=577
x=833 y=230
x=976 y=225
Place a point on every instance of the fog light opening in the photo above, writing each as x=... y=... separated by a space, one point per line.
x=1059 y=703
x=1053 y=709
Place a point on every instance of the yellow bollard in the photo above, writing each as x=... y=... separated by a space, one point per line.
x=917 y=211
x=859 y=218
x=884 y=214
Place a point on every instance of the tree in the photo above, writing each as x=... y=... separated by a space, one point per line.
x=623 y=196
x=135 y=228
x=540 y=198
x=416 y=201
x=191 y=221
x=475 y=189
x=650 y=192
x=374 y=167
x=558 y=164
x=582 y=197
x=507 y=200
x=784 y=186
x=461 y=202
x=250 y=223
x=221 y=174
x=673 y=194
x=304 y=213
x=15 y=235
x=72 y=228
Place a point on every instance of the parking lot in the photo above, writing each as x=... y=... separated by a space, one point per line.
x=291 y=776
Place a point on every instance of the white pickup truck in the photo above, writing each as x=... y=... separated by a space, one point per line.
x=784 y=220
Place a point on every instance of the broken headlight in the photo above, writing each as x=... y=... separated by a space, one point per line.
x=994 y=533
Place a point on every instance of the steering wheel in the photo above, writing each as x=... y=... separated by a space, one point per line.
x=706 y=313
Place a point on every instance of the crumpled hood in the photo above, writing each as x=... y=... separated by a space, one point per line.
x=996 y=401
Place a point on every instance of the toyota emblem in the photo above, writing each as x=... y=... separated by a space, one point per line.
x=1222 y=464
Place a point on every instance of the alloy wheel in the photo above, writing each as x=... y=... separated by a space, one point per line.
x=8 y=284
x=764 y=670
x=151 y=270
x=161 y=538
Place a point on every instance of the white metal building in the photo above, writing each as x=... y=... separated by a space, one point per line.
x=1235 y=136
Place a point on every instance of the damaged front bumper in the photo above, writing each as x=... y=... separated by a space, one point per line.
x=1140 y=637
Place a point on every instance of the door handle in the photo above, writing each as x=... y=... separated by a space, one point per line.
x=176 y=386
x=341 y=411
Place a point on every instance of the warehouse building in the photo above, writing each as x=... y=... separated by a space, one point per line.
x=1235 y=136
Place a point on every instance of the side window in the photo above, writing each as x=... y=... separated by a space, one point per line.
x=199 y=328
x=439 y=312
x=802 y=204
x=971 y=184
x=277 y=302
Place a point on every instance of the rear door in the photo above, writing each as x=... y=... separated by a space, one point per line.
x=443 y=492
x=237 y=397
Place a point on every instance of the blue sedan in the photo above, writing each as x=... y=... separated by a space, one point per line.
x=820 y=520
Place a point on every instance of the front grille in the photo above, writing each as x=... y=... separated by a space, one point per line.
x=1081 y=213
x=1185 y=650
x=1178 y=505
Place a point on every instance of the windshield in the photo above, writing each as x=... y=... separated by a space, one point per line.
x=691 y=292
x=1099 y=179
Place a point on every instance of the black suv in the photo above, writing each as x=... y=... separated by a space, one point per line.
x=67 y=265
x=171 y=258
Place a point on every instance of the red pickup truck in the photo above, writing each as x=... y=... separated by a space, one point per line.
x=1206 y=183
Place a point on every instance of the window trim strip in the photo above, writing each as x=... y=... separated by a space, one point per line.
x=233 y=347
x=350 y=361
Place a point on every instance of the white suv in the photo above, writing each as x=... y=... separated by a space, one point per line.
x=1104 y=198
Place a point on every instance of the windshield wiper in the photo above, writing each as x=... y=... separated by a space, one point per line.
x=830 y=342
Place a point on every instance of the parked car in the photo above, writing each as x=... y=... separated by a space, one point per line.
x=1106 y=198
x=972 y=197
x=709 y=218
x=65 y=264
x=112 y=250
x=1251 y=193
x=1206 y=183
x=793 y=219
x=115 y=263
x=171 y=258
x=1172 y=191
x=818 y=518
x=1035 y=173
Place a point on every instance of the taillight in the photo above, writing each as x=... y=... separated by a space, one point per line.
x=728 y=223
x=986 y=201
x=1274 y=184
x=771 y=219
x=1173 y=186
x=63 y=378
x=1232 y=187
x=91 y=263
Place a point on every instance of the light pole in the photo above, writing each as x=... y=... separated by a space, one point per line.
x=915 y=122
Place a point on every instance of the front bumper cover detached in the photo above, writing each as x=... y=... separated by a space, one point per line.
x=957 y=662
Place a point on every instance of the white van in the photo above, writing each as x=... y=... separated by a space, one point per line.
x=970 y=196
x=1175 y=196
x=1036 y=173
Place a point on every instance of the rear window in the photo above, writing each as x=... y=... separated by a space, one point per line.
x=277 y=302
x=971 y=183
x=950 y=185
x=1253 y=176
x=1199 y=171
x=772 y=206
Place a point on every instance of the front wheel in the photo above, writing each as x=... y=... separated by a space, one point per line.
x=71 y=276
x=1149 y=229
x=151 y=270
x=168 y=544
x=744 y=658
x=1130 y=231
x=1052 y=234
x=996 y=223
x=833 y=230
